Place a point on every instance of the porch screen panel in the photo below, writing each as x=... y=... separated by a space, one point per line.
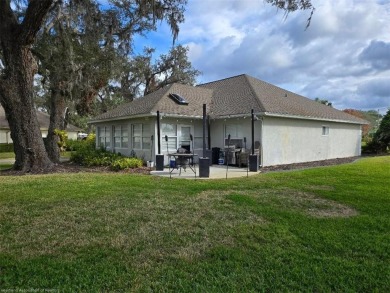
x=198 y=138
x=146 y=134
x=185 y=138
x=104 y=136
x=170 y=130
x=137 y=135
x=117 y=136
x=124 y=136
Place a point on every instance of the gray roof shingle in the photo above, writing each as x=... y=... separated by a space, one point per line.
x=160 y=101
x=251 y=93
x=231 y=96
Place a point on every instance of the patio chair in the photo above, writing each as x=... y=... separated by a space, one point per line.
x=182 y=162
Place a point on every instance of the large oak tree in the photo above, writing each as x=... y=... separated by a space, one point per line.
x=17 y=35
x=18 y=31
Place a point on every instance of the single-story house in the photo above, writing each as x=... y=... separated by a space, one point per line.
x=43 y=120
x=289 y=128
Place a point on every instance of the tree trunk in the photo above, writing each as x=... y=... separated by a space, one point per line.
x=56 y=122
x=17 y=100
x=16 y=83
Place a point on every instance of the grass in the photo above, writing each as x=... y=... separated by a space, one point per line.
x=324 y=229
x=5 y=166
x=7 y=155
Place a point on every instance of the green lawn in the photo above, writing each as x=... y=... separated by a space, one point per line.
x=317 y=230
x=7 y=155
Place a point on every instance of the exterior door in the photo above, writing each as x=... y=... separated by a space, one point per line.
x=185 y=138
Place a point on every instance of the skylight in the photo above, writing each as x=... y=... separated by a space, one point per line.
x=178 y=99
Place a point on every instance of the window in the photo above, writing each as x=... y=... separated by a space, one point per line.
x=104 y=136
x=198 y=138
x=141 y=136
x=169 y=130
x=235 y=135
x=121 y=136
x=146 y=137
x=325 y=130
x=178 y=99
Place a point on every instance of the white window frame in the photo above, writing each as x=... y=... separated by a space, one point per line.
x=104 y=137
x=236 y=138
x=171 y=136
x=176 y=138
x=325 y=130
x=144 y=138
x=123 y=129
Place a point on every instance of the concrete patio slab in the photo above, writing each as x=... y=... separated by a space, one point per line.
x=216 y=172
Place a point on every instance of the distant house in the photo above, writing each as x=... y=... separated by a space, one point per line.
x=43 y=120
x=289 y=128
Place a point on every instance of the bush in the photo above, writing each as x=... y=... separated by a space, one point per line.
x=125 y=163
x=63 y=136
x=86 y=154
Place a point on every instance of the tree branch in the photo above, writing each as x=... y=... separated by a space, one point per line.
x=35 y=14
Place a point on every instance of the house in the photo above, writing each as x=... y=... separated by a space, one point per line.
x=289 y=128
x=43 y=120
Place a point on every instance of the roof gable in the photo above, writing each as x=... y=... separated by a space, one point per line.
x=160 y=101
x=232 y=96
x=239 y=94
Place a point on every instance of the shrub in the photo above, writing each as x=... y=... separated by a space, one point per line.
x=63 y=136
x=125 y=163
x=86 y=154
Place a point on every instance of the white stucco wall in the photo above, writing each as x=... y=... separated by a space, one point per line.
x=5 y=136
x=287 y=141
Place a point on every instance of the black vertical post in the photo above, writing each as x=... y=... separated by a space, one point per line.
x=253 y=132
x=158 y=133
x=204 y=162
x=253 y=159
x=204 y=131
x=209 y=152
x=159 y=157
x=208 y=132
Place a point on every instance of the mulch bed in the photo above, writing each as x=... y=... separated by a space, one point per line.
x=69 y=167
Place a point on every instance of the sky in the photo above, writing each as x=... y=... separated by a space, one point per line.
x=343 y=57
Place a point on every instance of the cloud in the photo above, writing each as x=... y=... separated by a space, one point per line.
x=379 y=87
x=377 y=54
x=343 y=56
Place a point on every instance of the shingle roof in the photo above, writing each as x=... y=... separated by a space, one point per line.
x=43 y=121
x=160 y=101
x=239 y=94
x=231 y=96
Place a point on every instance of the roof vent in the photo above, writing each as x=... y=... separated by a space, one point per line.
x=285 y=95
x=178 y=99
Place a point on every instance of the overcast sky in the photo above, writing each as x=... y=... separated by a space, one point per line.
x=344 y=56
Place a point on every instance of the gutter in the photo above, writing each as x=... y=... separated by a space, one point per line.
x=144 y=116
x=310 y=118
